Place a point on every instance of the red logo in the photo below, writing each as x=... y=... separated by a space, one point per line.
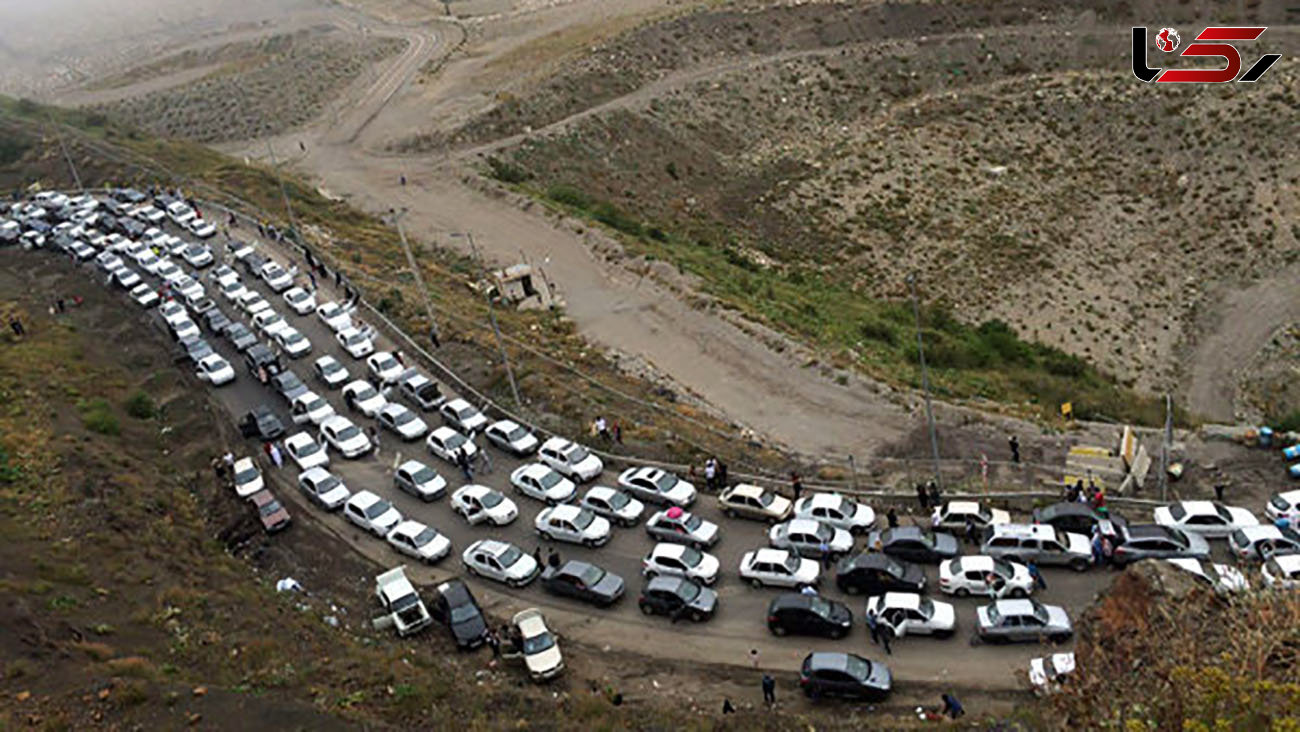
x=1167 y=40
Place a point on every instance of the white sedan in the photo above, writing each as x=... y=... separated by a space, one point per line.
x=294 y=343
x=538 y=645
x=807 y=537
x=334 y=316
x=270 y=323
x=276 y=277
x=200 y=228
x=332 y=373
x=232 y=290
x=356 y=343
x=383 y=367
x=478 y=503
x=463 y=416
x=511 y=437
x=907 y=613
x=572 y=524
x=363 y=397
x=837 y=511
x=1207 y=518
x=500 y=561
x=980 y=574
x=419 y=480
x=340 y=434
x=447 y=443
x=144 y=296
x=248 y=479
x=198 y=255
x=1223 y=579
x=538 y=481
x=656 y=486
x=570 y=458
x=300 y=301
x=778 y=568
x=1283 y=505
x=323 y=488
x=613 y=504
x=215 y=370
x=1282 y=573
x=304 y=450
x=679 y=560
x=309 y=408
x=372 y=513
x=401 y=421
x=418 y=540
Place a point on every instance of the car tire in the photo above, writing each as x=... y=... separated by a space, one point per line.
x=546 y=536
x=838 y=633
x=471 y=570
x=646 y=609
x=697 y=616
x=1019 y=593
x=590 y=543
x=962 y=592
x=777 y=630
x=1080 y=565
x=756 y=583
x=730 y=513
x=1059 y=638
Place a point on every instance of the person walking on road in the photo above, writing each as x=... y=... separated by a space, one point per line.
x=753 y=657
x=873 y=627
x=462 y=460
x=1014 y=442
x=769 y=690
x=952 y=707
x=892 y=517
x=922 y=498
x=374 y=437
x=1037 y=576
x=796 y=485
x=276 y=457
x=553 y=559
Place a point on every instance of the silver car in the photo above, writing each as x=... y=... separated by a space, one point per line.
x=1015 y=621
x=682 y=527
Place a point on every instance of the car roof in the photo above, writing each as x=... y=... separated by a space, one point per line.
x=645 y=471
x=1014 y=607
x=825 y=499
x=976 y=561
x=445 y=431
x=1288 y=562
x=668 y=549
x=535 y=469
x=905 y=600
x=963 y=506
x=530 y=622
x=565 y=510
x=300 y=437
x=458 y=403
x=393 y=408
x=666 y=582
x=1262 y=531
x=410 y=527
x=803 y=524
x=602 y=491
x=244 y=461
x=905 y=532
x=557 y=443
x=411 y=466
x=832 y=660
x=767 y=554
x=1290 y=496
x=747 y=489
x=872 y=559
x=474 y=489
x=364 y=498
x=337 y=422
x=1023 y=530
x=495 y=547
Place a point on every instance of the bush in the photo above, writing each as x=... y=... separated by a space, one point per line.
x=507 y=172
x=98 y=416
x=877 y=330
x=1288 y=423
x=611 y=216
x=568 y=195
x=140 y=406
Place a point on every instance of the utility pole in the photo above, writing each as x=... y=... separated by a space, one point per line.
x=394 y=218
x=275 y=166
x=510 y=374
x=1164 y=449
x=925 y=380
x=64 y=148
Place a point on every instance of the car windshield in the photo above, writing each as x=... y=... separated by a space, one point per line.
x=549 y=479
x=577 y=454
x=583 y=519
x=665 y=482
x=994 y=615
x=1279 y=502
x=692 y=522
x=538 y=643
x=688 y=591
x=316 y=404
x=296 y=296
x=366 y=393
x=491 y=499
x=386 y=365
x=377 y=509
x=984 y=514
x=463 y=613
x=819 y=607
x=618 y=500
x=1223 y=513
x=1177 y=511
x=591 y=576
x=455 y=441
x=425 y=536
x=328 y=484
x=517 y=433
x=509 y=556
x=270 y=507
x=926 y=608
x=1003 y=568
x=791 y=564
x=246 y=476
x=331 y=367
x=354 y=339
x=1062 y=539
x=1040 y=613
x=894 y=568
x=194 y=251
x=691 y=557
x=824 y=532
x=858 y=668
x=1239 y=538
x=349 y=432
x=294 y=336
x=424 y=475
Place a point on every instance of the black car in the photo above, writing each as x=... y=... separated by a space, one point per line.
x=195 y=348
x=261 y=423
x=114 y=207
x=1078 y=518
x=583 y=581
x=288 y=385
x=455 y=608
x=844 y=674
x=108 y=224
x=253 y=263
x=678 y=597
x=260 y=356
x=915 y=544
x=216 y=320
x=876 y=574
x=240 y=336
x=800 y=614
x=131 y=228
x=129 y=195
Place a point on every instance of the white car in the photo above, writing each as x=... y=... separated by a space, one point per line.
x=970 y=575
x=309 y=408
x=306 y=452
x=334 y=316
x=571 y=459
x=363 y=397
x=679 y=560
x=269 y=322
x=680 y=526
x=149 y=214
x=778 y=568
x=293 y=343
x=953 y=515
x=446 y=443
x=179 y=212
x=1207 y=518
x=500 y=561
x=406 y=612
x=276 y=277
x=183 y=328
x=1258 y=543
x=248 y=302
x=807 y=537
x=539 y=646
x=173 y=312
x=656 y=486
x=1282 y=573
x=188 y=288
x=1047 y=674
x=198 y=255
x=232 y=290
x=108 y=261
x=248 y=479
x=147 y=260
x=222 y=274
x=331 y=372
x=419 y=480
x=215 y=370
x=418 y=540
x=1283 y=505
x=1224 y=579
x=907 y=613
x=478 y=503
x=372 y=513
x=125 y=277
x=384 y=367
x=340 y=434
x=463 y=416
x=538 y=481
x=166 y=270
x=300 y=301
x=613 y=504
x=323 y=488
x=401 y=421
x=836 y=510
x=356 y=343
x=511 y=437
x=144 y=296
x=200 y=228
x=573 y=524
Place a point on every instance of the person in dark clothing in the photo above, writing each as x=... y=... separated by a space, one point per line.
x=17 y=326
x=553 y=559
x=722 y=473
x=873 y=627
x=1218 y=491
x=922 y=498
x=796 y=485
x=1036 y=576
x=1015 y=449
x=892 y=517
x=936 y=499
x=618 y=438
x=972 y=532
x=494 y=643
x=402 y=178
x=727 y=707
x=537 y=555
x=433 y=337
x=769 y=690
x=462 y=461
x=952 y=707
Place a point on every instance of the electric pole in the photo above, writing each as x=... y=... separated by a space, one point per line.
x=395 y=219
x=925 y=380
x=505 y=359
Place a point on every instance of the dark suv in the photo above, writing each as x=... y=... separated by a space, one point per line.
x=1078 y=518
x=455 y=608
x=876 y=574
x=261 y=356
x=844 y=674
x=678 y=597
x=915 y=544
x=800 y=614
x=1153 y=541
x=261 y=423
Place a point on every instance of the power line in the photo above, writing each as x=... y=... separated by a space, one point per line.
x=492 y=316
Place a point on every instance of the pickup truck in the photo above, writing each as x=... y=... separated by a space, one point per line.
x=404 y=609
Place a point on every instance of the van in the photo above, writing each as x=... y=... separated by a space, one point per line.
x=1042 y=544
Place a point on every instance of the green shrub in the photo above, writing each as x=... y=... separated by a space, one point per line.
x=568 y=195
x=98 y=416
x=507 y=172
x=140 y=406
x=610 y=215
x=1288 y=423
x=878 y=330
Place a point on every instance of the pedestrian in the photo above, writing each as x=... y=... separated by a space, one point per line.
x=229 y=460
x=952 y=707
x=1096 y=549
x=276 y=457
x=462 y=460
x=972 y=533
x=796 y=485
x=921 y=497
x=311 y=277
x=553 y=558
x=219 y=468
x=485 y=462
x=1036 y=576
x=710 y=473
x=722 y=474
x=873 y=627
x=1107 y=550
x=17 y=326
x=602 y=429
x=885 y=633
x=727 y=708
x=769 y=690
x=397 y=356
x=374 y=437
x=59 y=304
x=262 y=376
x=618 y=432
x=753 y=657
x=433 y=337
x=266 y=448
x=1081 y=493
x=936 y=499
x=302 y=146
x=233 y=223
x=537 y=555
x=1098 y=499
x=892 y=517
x=1218 y=487
x=825 y=550
x=1015 y=449
x=494 y=643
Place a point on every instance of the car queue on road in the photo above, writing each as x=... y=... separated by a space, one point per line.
x=267 y=319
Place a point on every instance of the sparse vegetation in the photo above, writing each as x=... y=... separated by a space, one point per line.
x=140 y=406
x=97 y=415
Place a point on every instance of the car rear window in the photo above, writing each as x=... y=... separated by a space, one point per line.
x=1177 y=511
